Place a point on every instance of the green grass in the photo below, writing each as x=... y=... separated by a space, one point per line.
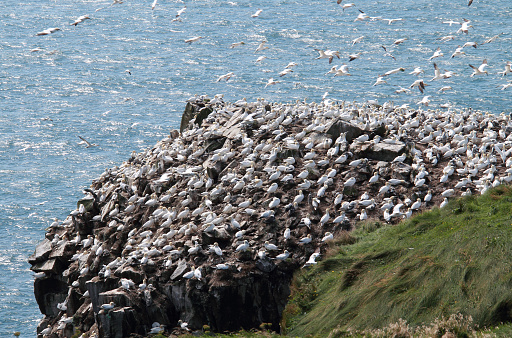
x=446 y=261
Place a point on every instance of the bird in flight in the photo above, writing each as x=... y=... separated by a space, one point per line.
x=87 y=143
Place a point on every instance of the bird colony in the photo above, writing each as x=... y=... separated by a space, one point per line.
x=255 y=189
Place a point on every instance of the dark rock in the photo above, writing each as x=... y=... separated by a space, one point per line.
x=180 y=269
x=52 y=266
x=188 y=115
x=87 y=202
x=265 y=265
x=203 y=113
x=338 y=127
x=380 y=152
x=49 y=292
x=129 y=272
x=42 y=252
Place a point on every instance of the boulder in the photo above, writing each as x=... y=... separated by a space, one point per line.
x=381 y=151
x=338 y=127
x=42 y=252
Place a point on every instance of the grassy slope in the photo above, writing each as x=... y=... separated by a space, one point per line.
x=452 y=260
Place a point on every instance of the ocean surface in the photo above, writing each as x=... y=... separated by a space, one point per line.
x=122 y=78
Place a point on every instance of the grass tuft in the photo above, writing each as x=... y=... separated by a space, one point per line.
x=455 y=260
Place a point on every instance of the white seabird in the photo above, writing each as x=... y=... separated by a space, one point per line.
x=283 y=256
x=437 y=53
x=80 y=19
x=480 y=70
x=327 y=237
x=225 y=77
x=327 y=54
x=507 y=70
x=194 y=39
x=48 y=31
x=242 y=247
x=258 y=12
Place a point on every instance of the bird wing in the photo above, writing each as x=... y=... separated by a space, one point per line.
x=436 y=70
x=87 y=142
x=421 y=87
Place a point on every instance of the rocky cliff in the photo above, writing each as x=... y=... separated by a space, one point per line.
x=209 y=225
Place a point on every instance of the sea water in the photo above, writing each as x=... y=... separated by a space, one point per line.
x=122 y=78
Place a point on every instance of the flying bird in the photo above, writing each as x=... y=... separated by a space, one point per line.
x=362 y=16
x=491 y=39
x=194 y=39
x=480 y=70
x=357 y=40
x=387 y=53
x=258 y=12
x=393 y=71
x=327 y=54
x=48 y=31
x=225 y=77
x=399 y=41
x=342 y=71
x=507 y=70
x=80 y=19
x=87 y=143
x=285 y=71
x=458 y=52
x=270 y=82
x=436 y=54
x=236 y=44
x=464 y=28
x=352 y=57
x=390 y=21
x=420 y=84
x=261 y=46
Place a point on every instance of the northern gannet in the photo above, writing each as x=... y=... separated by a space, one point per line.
x=261 y=46
x=352 y=57
x=237 y=44
x=390 y=21
x=480 y=70
x=464 y=28
x=327 y=54
x=437 y=53
x=393 y=71
x=225 y=77
x=459 y=51
x=507 y=70
x=48 y=31
x=258 y=12
x=420 y=84
x=87 y=143
x=194 y=39
x=362 y=16
x=271 y=82
x=79 y=20
x=357 y=40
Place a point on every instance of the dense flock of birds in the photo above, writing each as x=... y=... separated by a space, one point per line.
x=461 y=36
x=284 y=188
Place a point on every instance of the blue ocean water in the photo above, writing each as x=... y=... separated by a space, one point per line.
x=76 y=83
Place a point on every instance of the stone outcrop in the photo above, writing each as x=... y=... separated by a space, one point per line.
x=209 y=225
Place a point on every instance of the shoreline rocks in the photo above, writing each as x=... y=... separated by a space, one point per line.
x=209 y=225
